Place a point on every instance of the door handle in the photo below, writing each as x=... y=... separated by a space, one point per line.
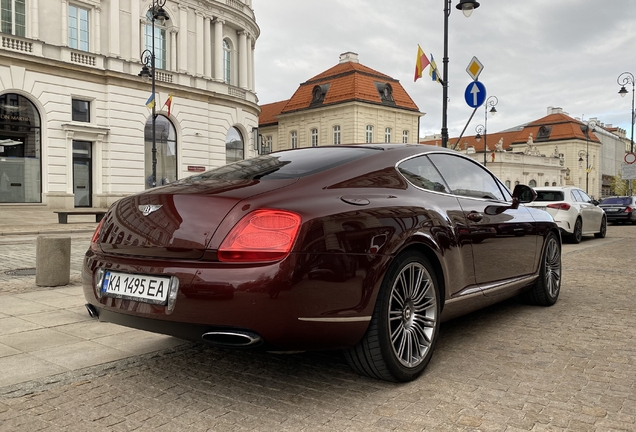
x=474 y=216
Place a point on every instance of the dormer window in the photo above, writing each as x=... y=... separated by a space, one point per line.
x=318 y=94
x=386 y=93
x=544 y=133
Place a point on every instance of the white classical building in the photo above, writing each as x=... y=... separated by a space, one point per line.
x=75 y=130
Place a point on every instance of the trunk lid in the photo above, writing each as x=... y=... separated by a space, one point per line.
x=178 y=220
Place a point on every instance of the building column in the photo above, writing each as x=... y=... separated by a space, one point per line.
x=173 y=49
x=207 y=49
x=242 y=64
x=218 y=49
x=35 y=20
x=64 y=23
x=137 y=31
x=113 y=46
x=200 y=43
x=183 y=39
x=252 y=80
x=97 y=49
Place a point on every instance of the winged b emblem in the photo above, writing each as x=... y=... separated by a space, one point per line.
x=149 y=208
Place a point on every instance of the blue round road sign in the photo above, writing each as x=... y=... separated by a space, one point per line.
x=475 y=94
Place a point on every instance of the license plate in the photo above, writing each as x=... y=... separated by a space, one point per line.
x=611 y=209
x=144 y=288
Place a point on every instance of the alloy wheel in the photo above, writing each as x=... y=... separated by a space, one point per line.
x=553 y=267
x=412 y=314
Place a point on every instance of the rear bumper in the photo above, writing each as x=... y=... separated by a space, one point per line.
x=295 y=309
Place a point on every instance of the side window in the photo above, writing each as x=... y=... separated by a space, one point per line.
x=467 y=178
x=585 y=197
x=421 y=172
x=576 y=196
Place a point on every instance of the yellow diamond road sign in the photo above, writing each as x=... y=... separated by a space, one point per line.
x=474 y=68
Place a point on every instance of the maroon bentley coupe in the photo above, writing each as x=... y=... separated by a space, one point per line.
x=364 y=248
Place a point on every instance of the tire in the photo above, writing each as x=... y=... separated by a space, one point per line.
x=406 y=316
x=603 y=231
x=577 y=234
x=545 y=291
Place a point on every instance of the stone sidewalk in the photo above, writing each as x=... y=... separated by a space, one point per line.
x=510 y=367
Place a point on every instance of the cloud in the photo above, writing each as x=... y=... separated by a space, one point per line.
x=539 y=53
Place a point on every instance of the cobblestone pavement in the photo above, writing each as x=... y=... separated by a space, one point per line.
x=511 y=367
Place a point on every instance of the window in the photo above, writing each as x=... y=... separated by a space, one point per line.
x=20 y=150
x=294 y=139
x=166 y=146
x=508 y=184
x=532 y=183
x=227 y=61
x=81 y=110
x=336 y=135
x=234 y=148
x=466 y=177
x=421 y=172
x=369 y=134
x=553 y=183
x=387 y=135
x=314 y=137
x=13 y=17
x=267 y=147
x=405 y=136
x=77 y=28
x=159 y=41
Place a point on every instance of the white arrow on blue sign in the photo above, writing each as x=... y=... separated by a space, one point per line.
x=475 y=94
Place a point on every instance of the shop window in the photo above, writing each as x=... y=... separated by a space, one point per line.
x=166 y=146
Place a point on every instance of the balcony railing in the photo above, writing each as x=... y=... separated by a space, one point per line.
x=17 y=44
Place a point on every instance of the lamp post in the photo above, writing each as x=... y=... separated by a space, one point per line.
x=490 y=102
x=586 y=153
x=467 y=7
x=148 y=72
x=480 y=129
x=624 y=79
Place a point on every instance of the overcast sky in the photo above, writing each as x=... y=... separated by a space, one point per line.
x=537 y=53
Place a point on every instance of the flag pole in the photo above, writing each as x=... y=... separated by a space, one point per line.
x=447 y=4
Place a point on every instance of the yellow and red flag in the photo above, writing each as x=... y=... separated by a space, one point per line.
x=420 y=63
x=169 y=103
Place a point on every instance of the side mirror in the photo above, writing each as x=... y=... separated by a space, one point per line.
x=595 y=202
x=524 y=194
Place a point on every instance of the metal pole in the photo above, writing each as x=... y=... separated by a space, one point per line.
x=631 y=150
x=485 y=132
x=447 y=4
x=587 y=160
x=154 y=105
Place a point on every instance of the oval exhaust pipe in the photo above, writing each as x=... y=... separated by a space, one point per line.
x=92 y=310
x=232 y=338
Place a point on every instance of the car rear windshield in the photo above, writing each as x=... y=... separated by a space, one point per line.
x=288 y=164
x=618 y=200
x=549 y=196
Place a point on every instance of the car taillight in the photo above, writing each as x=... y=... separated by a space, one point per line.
x=559 y=206
x=96 y=233
x=263 y=235
x=628 y=209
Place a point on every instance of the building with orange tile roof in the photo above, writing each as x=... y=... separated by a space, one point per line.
x=348 y=103
x=554 y=150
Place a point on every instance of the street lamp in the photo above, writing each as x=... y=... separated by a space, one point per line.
x=467 y=7
x=490 y=102
x=148 y=72
x=590 y=125
x=479 y=129
x=624 y=79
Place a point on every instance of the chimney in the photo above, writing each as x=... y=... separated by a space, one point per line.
x=555 y=110
x=349 y=57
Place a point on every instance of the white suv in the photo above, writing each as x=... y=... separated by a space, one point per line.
x=573 y=210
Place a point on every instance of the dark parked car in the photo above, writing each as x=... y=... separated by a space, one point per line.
x=364 y=248
x=620 y=209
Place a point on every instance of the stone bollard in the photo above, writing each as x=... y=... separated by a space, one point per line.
x=52 y=261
